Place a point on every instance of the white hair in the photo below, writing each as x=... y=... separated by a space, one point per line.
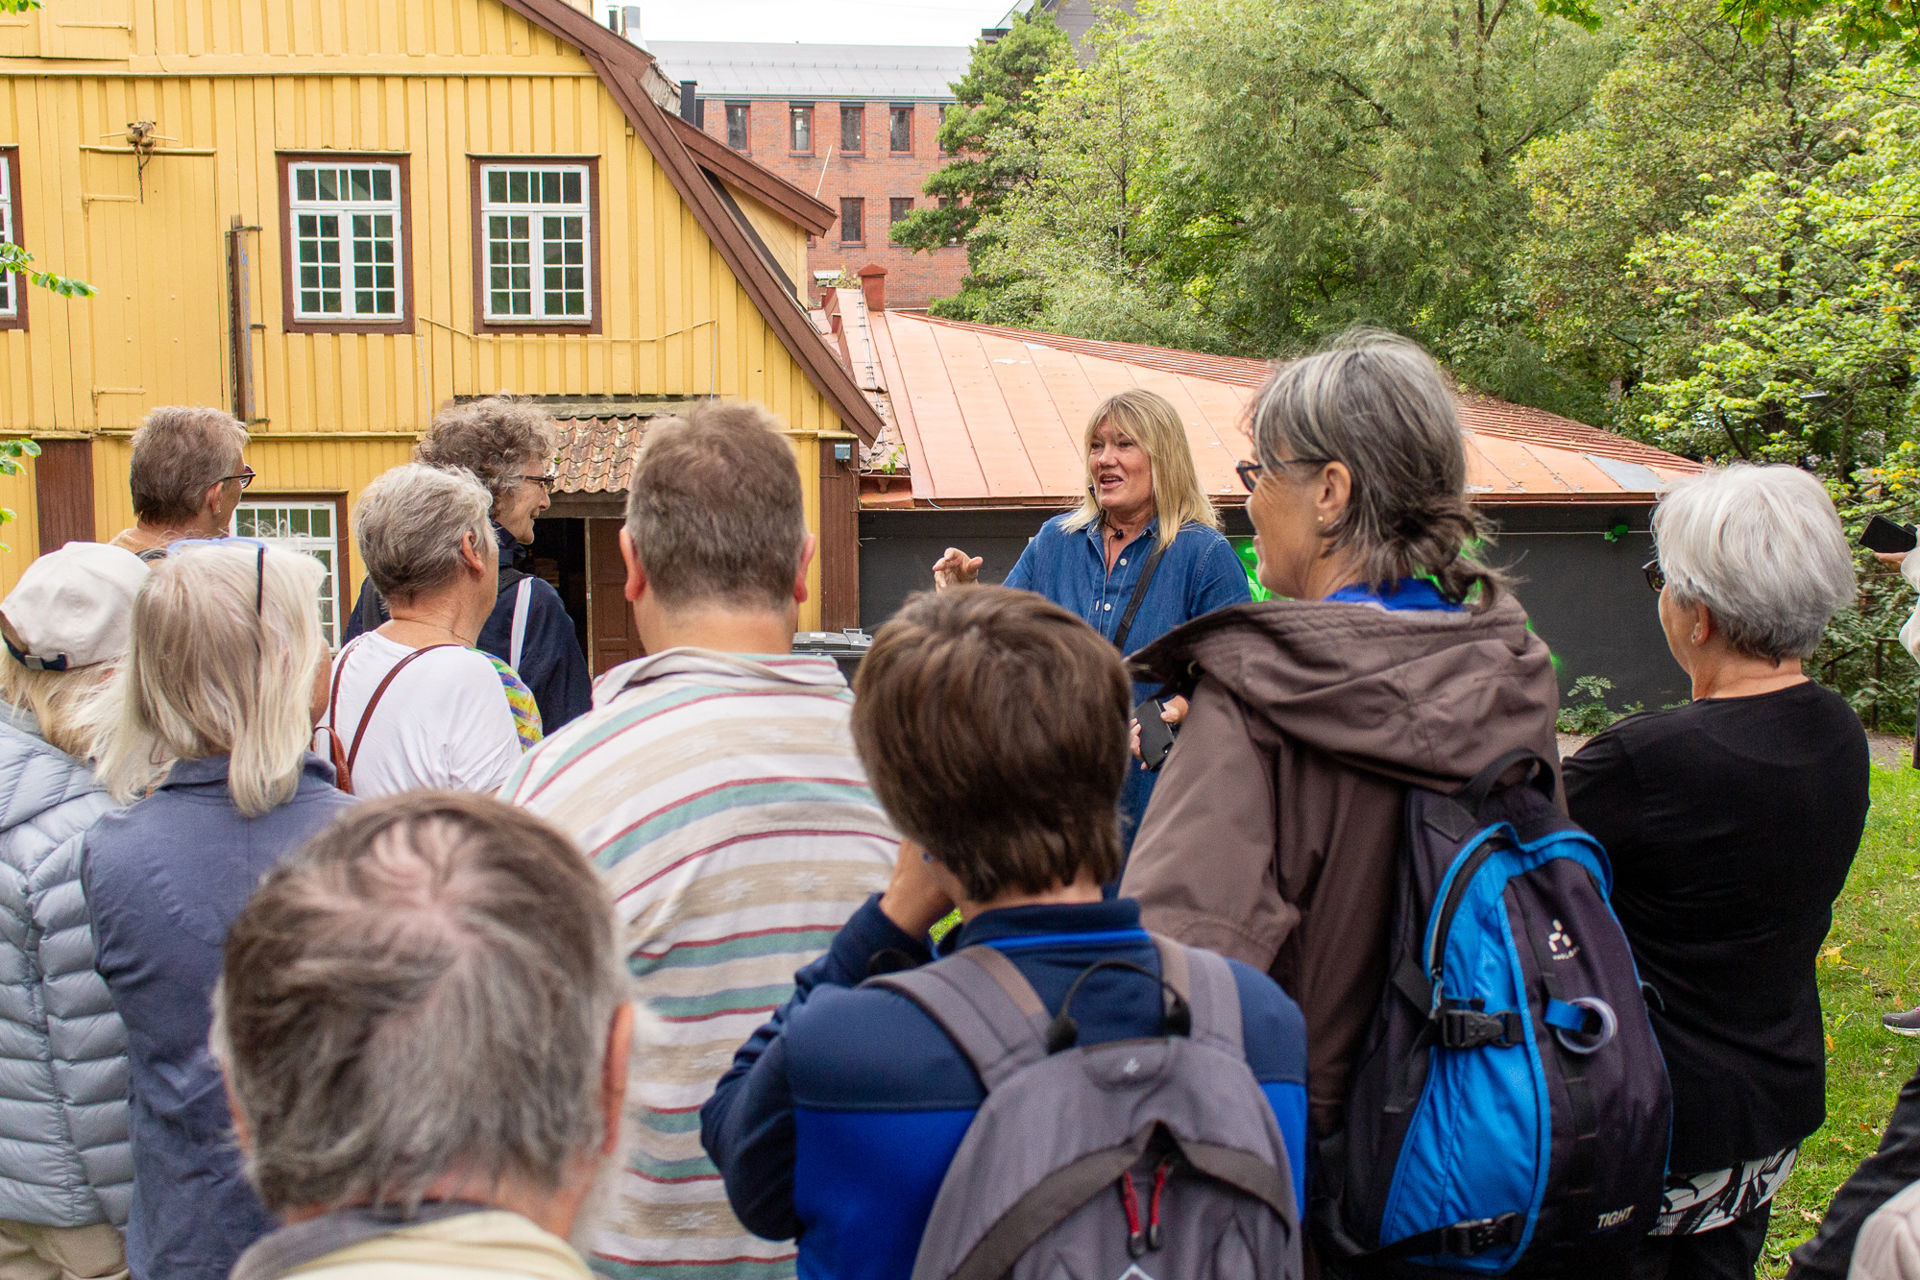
x=224 y=646
x=1762 y=549
x=410 y=521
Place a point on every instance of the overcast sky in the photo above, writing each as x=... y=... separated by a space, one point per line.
x=948 y=22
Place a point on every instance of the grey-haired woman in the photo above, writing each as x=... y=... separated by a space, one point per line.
x=1731 y=823
x=1395 y=658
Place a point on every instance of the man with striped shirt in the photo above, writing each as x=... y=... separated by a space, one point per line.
x=714 y=784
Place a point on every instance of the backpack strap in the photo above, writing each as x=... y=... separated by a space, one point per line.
x=366 y=714
x=1475 y=793
x=523 y=597
x=1205 y=982
x=990 y=1012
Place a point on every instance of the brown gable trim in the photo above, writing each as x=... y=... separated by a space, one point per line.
x=756 y=180
x=621 y=66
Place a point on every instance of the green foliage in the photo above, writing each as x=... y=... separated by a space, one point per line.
x=989 y=133
x=1584 y=711
x=18 y=6
x=1868 y=966
x=11 y=451
x=14 y=258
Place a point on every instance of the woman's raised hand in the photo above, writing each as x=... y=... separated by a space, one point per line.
x=955 y=567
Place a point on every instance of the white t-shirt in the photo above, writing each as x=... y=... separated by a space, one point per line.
x=444 y=722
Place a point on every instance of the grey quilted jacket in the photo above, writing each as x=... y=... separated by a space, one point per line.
x=64 y=1158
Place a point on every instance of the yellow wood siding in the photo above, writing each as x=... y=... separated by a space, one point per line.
x=785 y=239
x=231 y=84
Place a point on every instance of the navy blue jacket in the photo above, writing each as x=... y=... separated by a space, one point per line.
x=838 y=1119
x=550 y=660
x=164 y=881
x=1199 y=573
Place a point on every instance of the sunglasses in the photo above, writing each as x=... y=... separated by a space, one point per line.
x=1249 y=472
x=1655 y=578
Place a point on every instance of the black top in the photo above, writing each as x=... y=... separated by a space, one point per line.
x=1731 y=824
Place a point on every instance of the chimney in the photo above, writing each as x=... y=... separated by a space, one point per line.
x=690 y=101
x=873 y=283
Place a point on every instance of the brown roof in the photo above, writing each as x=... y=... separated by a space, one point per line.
x=596 y=454
x=622 y=67
x=993 y=416
x=764 y=185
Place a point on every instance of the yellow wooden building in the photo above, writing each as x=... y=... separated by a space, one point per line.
x=333 y=217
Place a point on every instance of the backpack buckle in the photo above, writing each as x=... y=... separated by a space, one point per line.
x=1464 y=1025
x=1465 y=1239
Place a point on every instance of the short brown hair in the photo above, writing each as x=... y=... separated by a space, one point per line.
x=993 y=726
x=424 y=988
x=714 y=507
x=493 y=438
x=180 y=452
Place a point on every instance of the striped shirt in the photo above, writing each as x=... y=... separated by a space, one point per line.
x=720 y=798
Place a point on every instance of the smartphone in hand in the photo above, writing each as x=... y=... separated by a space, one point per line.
x=1156 y=735
x=1882 y=534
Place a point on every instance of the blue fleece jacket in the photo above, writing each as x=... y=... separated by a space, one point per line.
x=838 y=1119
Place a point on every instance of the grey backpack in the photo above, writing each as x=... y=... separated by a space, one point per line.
x=1148 y=1159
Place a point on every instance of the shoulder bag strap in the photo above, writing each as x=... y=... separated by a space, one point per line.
x=353 y=752
x=989 y=1011
x=1139 y=594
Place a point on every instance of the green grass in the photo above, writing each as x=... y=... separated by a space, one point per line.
x=1870 y=964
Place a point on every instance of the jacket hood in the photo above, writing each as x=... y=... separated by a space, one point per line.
x=1421 y=696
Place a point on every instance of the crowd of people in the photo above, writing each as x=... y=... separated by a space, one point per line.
x=422 y=959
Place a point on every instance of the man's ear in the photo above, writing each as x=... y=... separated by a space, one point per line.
x=210 y=500
x=808 y=546
x=613 y=1077
x=636 y=572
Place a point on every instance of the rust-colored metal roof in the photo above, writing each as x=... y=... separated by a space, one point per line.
x=596 y=454
x=993 y=416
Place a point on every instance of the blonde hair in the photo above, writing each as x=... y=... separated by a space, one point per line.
x=207 y=675
x=1150 y=421
x=63 y=703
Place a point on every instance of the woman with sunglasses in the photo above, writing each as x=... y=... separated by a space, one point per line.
x=207 y=741
x=1140 y=555
x=1395 y=658
x=1731 y=822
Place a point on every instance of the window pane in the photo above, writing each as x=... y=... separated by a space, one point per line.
x=737 y=128
x=360 y=184
x=902 y=128
x=852 y=216
x=303 y=184
x=518 y=187
x=570 y=186
x=852 y=122
x=496 y=186
x=383 y=184
x=802 y=128
x=329 y=184
x=323 y=528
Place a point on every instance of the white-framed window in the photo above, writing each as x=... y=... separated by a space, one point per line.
x=345 y=218
x=311 y=525
x=536 y=221
x=9 y=282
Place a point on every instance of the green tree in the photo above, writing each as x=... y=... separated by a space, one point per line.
x=989 y=133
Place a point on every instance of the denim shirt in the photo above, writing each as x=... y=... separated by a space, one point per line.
x=1199 y=573
x=164 y=881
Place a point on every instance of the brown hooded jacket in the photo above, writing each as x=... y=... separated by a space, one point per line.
x=1273 y=827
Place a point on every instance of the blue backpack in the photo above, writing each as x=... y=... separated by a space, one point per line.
x=1510 y=1111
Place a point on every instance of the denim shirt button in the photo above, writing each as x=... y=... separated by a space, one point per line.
x=1108 y=606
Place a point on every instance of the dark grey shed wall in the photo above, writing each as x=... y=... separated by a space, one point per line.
x=1586 y=595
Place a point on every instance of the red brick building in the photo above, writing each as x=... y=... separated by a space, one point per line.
x=856 y=125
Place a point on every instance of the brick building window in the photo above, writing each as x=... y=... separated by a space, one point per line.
x=897 y=208
x=853 y=127
x=12 y=315
x=853 y=220
x=900 y=128
x=800 y=129
x=737 y=125
x=347 y=253
x=536 y=223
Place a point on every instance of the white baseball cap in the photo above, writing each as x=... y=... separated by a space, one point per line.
x=72 y=607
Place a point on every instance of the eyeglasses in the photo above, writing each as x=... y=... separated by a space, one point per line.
x=547 y=482
x=1655 y=578
x=1249 y=472
x=244 y=477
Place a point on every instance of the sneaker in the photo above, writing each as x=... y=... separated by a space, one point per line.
x=1902 y=1024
